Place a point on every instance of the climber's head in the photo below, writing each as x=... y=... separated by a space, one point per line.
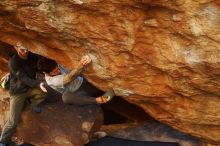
x=21 y=50
x=48 y=67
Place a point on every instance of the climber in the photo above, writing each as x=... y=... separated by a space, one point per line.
x=74 y=88
x=23 y=87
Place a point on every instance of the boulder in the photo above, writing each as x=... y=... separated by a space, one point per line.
x=161 y=55
x=153 y=131
x=58 y=124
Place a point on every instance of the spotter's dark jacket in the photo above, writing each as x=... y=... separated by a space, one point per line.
x=22 y=74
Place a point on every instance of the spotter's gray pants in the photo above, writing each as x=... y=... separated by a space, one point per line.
x=35 y=95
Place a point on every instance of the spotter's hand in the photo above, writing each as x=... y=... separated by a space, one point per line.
x=42 y=87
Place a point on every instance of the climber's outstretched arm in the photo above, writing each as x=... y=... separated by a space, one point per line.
x=85 y=60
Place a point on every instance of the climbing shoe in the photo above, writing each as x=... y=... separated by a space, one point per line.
x=108 y=95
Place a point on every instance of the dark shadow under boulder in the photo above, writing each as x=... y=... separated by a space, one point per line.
x=113 y=141
x=153 y=131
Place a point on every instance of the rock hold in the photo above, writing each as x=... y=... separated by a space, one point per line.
x=172 y=69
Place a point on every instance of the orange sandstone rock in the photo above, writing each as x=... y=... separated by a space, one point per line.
x=160 y=55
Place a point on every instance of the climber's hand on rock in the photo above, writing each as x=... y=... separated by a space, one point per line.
x=42 y=87
x=85 y=60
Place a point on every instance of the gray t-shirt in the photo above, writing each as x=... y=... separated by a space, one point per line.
x=56 y=82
